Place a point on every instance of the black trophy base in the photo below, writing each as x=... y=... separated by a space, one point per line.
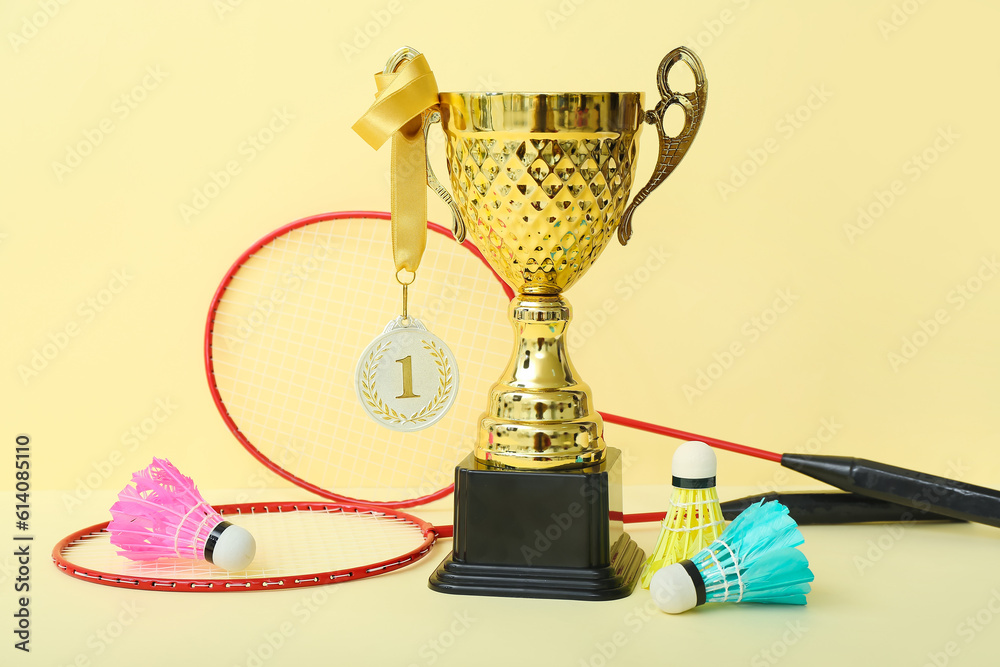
x=561 y=583
x=540 y=534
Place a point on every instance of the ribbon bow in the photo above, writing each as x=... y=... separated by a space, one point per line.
x=402 y=98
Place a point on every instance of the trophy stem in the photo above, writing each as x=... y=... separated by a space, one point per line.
x=540 y=414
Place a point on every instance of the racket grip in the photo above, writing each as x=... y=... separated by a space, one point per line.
x=917 y=490
x=834 y=508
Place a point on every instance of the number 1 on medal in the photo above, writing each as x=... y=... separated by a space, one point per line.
x=407 y=363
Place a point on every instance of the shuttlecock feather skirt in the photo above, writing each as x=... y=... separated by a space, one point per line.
x=692 y=522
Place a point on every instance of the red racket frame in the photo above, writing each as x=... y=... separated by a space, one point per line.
x=210 y=369
x=430 y=533
x=441 y=493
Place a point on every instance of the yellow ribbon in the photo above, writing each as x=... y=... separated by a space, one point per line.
x=402 y=98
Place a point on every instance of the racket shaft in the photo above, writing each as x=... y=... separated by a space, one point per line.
x=918 y=490
x=833 y=508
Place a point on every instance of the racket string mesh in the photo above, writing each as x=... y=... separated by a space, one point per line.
x=293 y=542
x=289 y=329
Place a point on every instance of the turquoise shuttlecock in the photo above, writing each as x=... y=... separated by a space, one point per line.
x=754 y=560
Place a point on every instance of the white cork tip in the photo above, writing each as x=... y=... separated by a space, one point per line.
x=235 y=549
x=672 y=589
x=694 y=460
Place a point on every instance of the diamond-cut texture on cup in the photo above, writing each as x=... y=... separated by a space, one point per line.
x=541 y=209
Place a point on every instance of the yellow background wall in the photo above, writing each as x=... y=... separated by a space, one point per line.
x=816 y=110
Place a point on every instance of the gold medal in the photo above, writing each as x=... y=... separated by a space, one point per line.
x=406 y=378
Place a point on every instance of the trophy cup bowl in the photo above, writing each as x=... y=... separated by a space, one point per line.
x=541 y=180
x=541 y=184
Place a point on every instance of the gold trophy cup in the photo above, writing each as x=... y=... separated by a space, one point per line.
x=541 y=184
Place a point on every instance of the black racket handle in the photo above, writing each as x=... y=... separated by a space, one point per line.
x=917 y=490
x=834 y=508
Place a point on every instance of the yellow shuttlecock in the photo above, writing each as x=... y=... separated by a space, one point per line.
x=694 y=518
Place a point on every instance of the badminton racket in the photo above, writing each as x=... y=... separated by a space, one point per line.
x=287 y=325
x=292 y=314
x=918 y=491
x=299 y=544
x=285 y=328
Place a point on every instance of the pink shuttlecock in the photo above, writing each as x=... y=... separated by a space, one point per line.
x=161 y=514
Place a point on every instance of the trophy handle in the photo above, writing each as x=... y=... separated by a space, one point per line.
x=672 y=149
x=457 y=226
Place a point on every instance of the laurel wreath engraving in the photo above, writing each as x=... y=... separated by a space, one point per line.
x=446 y=380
